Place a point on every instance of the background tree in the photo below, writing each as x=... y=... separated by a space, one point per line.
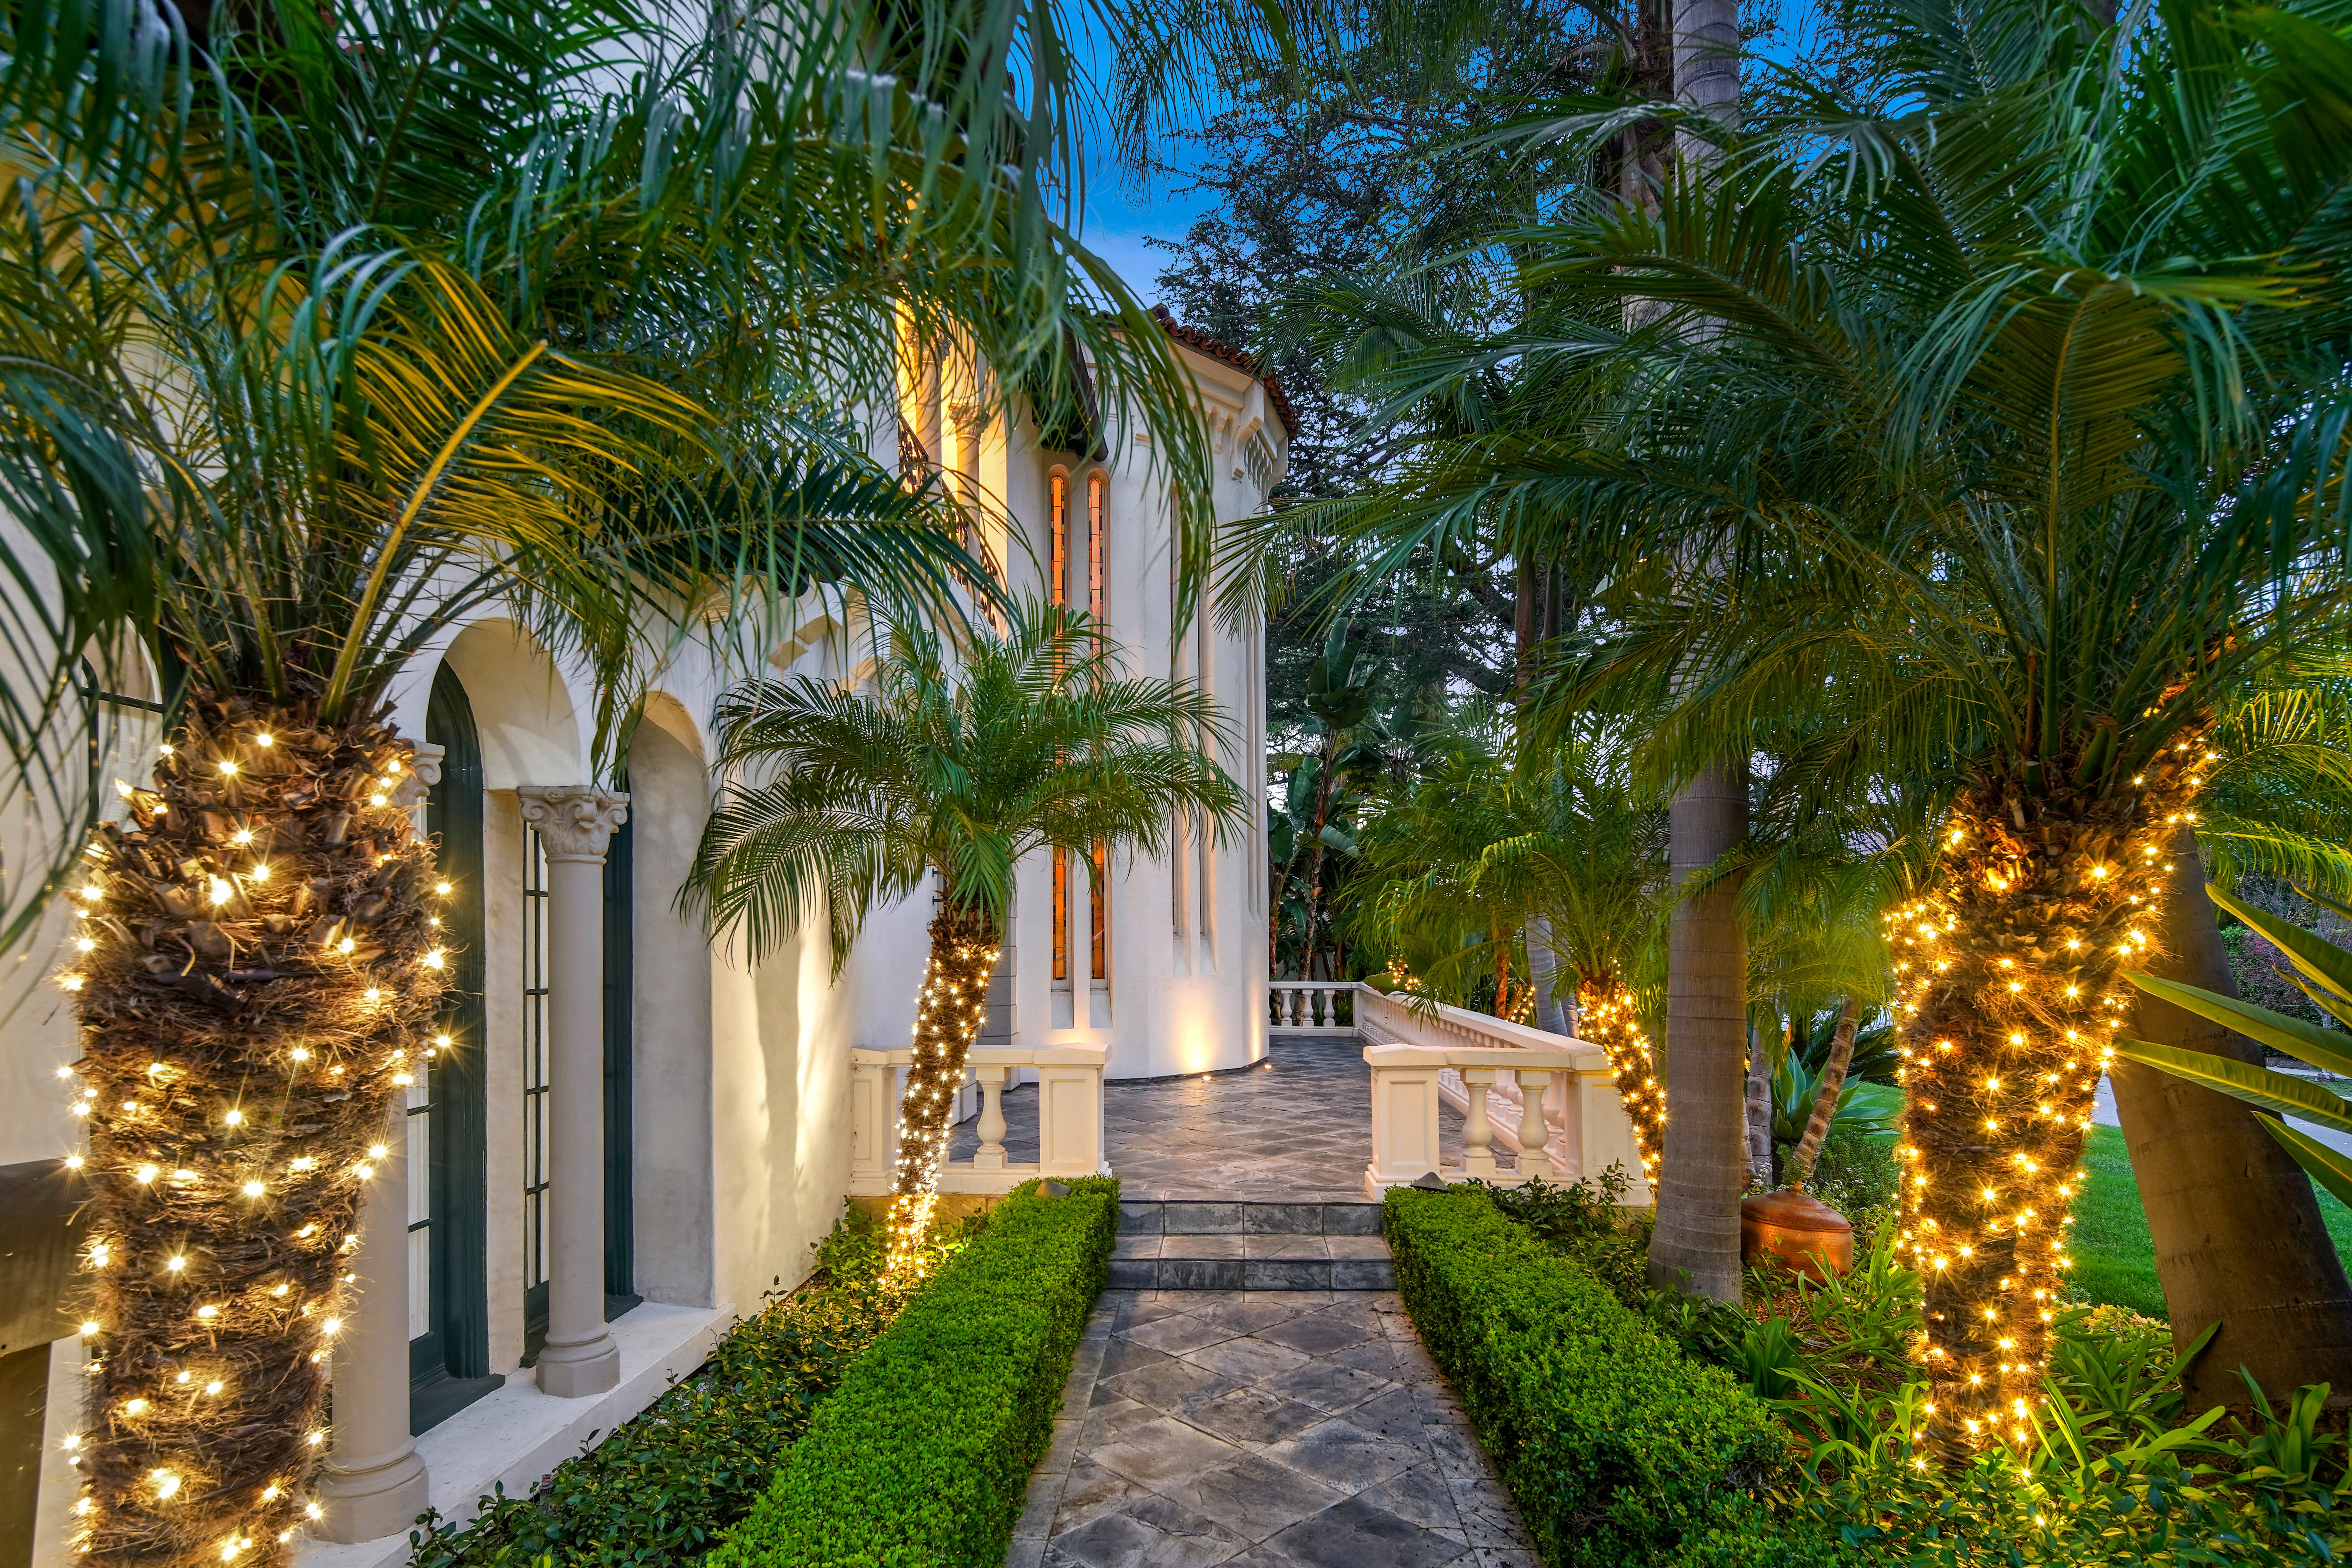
x=954 y=767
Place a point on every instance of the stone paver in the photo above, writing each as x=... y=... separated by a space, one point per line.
x=1297 y=1127
x=1257 y=1429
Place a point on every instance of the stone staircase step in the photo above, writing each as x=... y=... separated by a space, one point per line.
x=1243 y=1245
x=1178 y=1216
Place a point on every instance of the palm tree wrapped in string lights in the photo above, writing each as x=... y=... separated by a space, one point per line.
x=957 y=764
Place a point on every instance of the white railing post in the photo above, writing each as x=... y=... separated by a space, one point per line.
x=1070 y=1111
x=1404 y=1116
x=990 y=1155
x=1477 y=1128
x=872 y=1123
x=1607 y=1134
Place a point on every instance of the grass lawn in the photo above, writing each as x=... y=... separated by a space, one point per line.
x=2113 y=1258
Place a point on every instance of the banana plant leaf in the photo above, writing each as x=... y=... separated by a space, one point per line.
x=2324 y=1048
x=2274 y=1092
x=2320 y=961
x=2331 y=1168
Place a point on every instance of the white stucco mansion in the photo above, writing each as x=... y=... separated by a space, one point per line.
x=501 y=1322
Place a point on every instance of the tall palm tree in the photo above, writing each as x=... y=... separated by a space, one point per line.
x=959 y=764
x=321 y=328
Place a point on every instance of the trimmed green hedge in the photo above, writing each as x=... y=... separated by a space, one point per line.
x=923 y=1455
x=1617 y=1447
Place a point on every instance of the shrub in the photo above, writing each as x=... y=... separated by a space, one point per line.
x=1616 y=1446
x=923 y=1457
x=664 y=1484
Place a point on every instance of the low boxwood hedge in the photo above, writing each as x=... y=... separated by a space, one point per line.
x=663 y=1488
x=923 y=1455
x=1617 y=1446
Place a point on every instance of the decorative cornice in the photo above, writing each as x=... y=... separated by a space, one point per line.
x=575 y=822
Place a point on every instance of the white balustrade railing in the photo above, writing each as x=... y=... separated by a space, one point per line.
x=1550 y=1097
x=1069 y=1118
x=1307 y=1007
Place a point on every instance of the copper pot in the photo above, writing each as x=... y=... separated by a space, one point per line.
x=1799 y=1229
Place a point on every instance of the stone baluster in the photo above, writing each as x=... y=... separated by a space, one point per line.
x=990 y=1156
x=1327 y=1011
x=575 y=825
x=1477 y=1130
x=1535 y=1133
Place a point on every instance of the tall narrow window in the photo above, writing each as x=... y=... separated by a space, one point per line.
x=1097 y=888
x=1096 y=484
x=1057 y=589
x=620 y=1052
x=534 y=1092
x=1061 y=914
x=1204 y=673
x=448 y=1356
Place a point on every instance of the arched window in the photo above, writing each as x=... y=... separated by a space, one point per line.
x=1058 y=584
x=1096 y=484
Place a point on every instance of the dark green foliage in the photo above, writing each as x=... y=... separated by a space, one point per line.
x=1587 y=1223
x=661 y=1489
x=1615 y=1445
x=924 y=1455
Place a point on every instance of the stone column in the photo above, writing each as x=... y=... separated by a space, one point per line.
x=374 y=1483
x=575 y=825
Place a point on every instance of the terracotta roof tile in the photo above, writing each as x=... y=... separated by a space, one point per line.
x=1194 y=338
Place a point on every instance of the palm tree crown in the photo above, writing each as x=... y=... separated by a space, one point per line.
x=958 y=763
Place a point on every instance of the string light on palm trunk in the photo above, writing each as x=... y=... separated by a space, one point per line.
x=235 y=1079
x=948 y=1013
x=1606 y=1015
x=2008 y=998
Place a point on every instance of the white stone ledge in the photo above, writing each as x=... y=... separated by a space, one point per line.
x=515 y=1434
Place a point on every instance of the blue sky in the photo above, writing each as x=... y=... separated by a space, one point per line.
x=1117 y=220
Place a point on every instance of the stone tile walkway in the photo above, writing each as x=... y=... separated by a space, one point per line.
x=1271 y=1427
x=1298 y=1126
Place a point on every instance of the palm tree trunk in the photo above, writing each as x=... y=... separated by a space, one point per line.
x=261 y=977
x=2010 y=995
x=2238 y=1240
x=948 y=1018
x=1502 y=972
x=1543 y=974
x=1825 y=1099
x=1695 y=1246
x=1760 y=1110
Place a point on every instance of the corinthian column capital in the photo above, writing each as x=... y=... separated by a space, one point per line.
x=408 y=792
x=575 y=822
